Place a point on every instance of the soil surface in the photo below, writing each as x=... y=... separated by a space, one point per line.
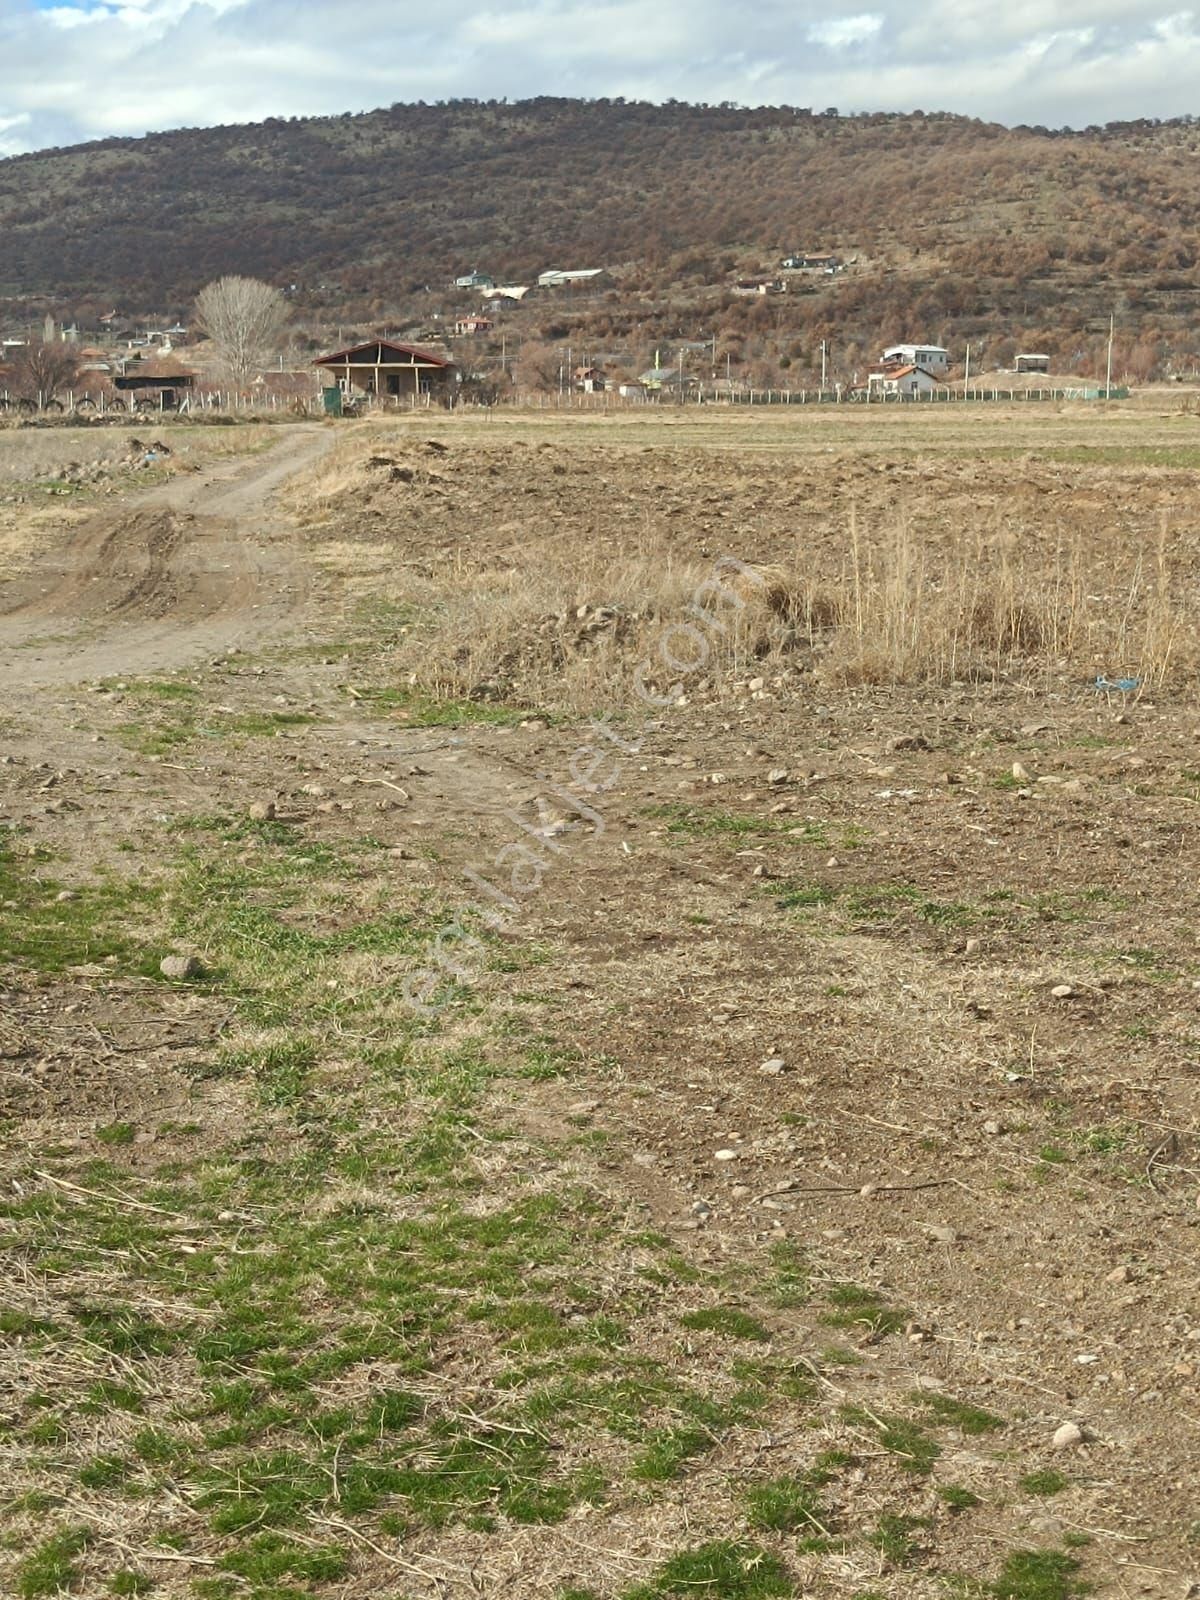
x=905 y=976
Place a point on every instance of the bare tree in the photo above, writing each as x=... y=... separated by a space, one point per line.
x=41 y=371
x=243 y=318
x=540 y=366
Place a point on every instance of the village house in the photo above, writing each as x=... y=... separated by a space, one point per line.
x=588 y=380
x=389 y=371
x=557 y=279
x=811 y=263
x=1030 y=362
x=905 y=381
x=469 y=326
x=475 y=280
x=759 y=286
x=932 y=357
x=667 y=380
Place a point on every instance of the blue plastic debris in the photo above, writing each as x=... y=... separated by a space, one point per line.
x=1121 y=685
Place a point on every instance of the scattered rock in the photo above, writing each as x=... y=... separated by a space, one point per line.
x=1062 y=991
x=262 y=811
x=972 y=947
x=1067 y=1436
x=180 y=967
x=773 y=1067
x=942 y=1234
x=725 y=1155
x=1019 y=772
x=777 y=775
x=1119 y=1275
x=64 y=895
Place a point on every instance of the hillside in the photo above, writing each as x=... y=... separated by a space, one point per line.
x=967 y=227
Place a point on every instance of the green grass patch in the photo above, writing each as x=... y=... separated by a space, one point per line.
x=185 y=726
x=116 y=1133
x=785 y=1505
x=1044 y=1483
x=420 y=708
x=905 y=1438
x=958 y=1414
x=863 y=1310
x=51 y=1568
x=40 y=931
x=1039 y=1575
x=875 y=905
x=896 y=1539
x=723 y=1569
x=726 y=1320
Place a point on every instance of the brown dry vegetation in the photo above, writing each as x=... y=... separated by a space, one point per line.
x=555 y=1293
x=863 y=568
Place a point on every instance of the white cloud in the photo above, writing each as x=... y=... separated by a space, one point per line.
x=82 y=69
x=839 y=32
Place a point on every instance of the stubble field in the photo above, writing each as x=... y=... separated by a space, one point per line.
x=680 y=1070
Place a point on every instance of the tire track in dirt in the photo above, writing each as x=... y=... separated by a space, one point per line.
x=188 y=571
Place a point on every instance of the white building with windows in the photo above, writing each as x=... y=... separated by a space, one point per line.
x=929 y=356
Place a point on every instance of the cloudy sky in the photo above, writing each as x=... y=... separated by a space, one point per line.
x=82 y=69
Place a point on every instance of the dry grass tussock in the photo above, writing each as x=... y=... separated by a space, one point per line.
x=562 y=625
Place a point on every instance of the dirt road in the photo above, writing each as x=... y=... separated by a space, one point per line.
x=184 y=571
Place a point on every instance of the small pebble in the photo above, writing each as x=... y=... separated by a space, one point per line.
x=1062 y=991
x=1067 y=1436
x=725 y=1155
x=773 y=1067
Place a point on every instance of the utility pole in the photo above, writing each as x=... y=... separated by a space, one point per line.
x=967 y=374
x=1108 y=372
x=824 y=364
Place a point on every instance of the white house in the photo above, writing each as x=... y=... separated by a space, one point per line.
x=558 y=279
x=930 y=356
x=905 y=381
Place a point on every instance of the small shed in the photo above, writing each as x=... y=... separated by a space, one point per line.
x=590 y=380
x=1031 y=362
x=157 y=383
x=389 y=370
